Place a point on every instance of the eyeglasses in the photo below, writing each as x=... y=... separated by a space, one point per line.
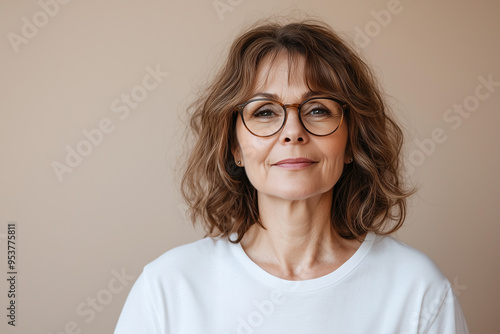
x=320 y=116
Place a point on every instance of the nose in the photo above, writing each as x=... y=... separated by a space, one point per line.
x=293 y=131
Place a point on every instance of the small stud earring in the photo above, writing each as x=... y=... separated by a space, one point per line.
x=238 y=162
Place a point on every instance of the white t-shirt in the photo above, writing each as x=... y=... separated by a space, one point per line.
x=212 y=287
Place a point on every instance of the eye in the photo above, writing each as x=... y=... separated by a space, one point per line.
x=317 y=110
x=264 y=112
x=320 y=111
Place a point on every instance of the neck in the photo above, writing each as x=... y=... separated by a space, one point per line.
x=298 y=241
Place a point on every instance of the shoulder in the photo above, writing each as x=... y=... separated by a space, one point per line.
x=419 y=285
x=187 y=259
x=403 y=260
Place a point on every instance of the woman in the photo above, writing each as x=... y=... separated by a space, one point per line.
x=296 y=177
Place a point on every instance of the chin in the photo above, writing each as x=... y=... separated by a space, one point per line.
x=298 y=193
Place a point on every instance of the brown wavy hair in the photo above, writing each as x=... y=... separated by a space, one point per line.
x=369 y=196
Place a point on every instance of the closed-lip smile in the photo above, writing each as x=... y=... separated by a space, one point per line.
x=294 y=163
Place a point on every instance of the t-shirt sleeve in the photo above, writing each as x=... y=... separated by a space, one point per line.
x=139 y=314
x=449 y=318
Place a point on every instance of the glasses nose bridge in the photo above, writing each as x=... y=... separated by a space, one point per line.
x=293 y=105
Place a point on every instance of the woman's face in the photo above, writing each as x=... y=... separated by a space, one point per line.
x=292 y=164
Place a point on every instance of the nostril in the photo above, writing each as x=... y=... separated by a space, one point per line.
x=287 y=139
x=300 y=139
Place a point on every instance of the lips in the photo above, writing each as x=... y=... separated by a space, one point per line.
x=295 y=163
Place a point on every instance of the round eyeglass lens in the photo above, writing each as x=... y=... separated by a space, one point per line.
x=321 y=116
x=263 y=117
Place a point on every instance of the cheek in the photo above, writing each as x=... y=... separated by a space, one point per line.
x=334 y=153
x=255 y=163
x=334 y=163
x=254 y=150
x=253 y=153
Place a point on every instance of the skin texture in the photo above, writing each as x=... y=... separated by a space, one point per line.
x=294 y=198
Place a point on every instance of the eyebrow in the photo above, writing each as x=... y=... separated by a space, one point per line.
x=272 y=96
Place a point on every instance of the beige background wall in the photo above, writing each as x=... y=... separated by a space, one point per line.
x=117 y=207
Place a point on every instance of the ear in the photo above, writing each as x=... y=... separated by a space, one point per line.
x=348 y=152
x=235 y=146
x=236 y=151
x=348 y=155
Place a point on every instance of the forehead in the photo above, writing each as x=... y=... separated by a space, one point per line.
x=280 y=71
